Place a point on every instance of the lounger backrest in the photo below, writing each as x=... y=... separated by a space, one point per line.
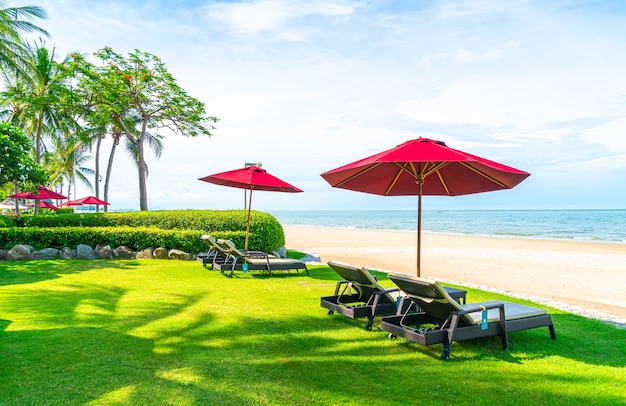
x=430 y=296
x=231 y=249
x=210 y=241
x=361 y=279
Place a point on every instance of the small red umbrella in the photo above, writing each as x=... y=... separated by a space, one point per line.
x=85 y=200
x=424 y=167
x=251 y=178
x=42 y=194
x=46 y=205
x=89 y=200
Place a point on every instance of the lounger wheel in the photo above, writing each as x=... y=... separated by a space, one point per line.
x=330 y=312
x=368 y=326
x=392 y=336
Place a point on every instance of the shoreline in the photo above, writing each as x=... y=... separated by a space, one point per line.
x=587 y=277
x=505 y=236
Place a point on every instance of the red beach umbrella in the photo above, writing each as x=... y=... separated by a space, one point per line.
x=86 y=200
x=46 y=205
x=250 y=178
x=424 y=167
x=42 y=194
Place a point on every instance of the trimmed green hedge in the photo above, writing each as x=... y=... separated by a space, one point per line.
x=6 y=221
x=135 y=238
x=166 y=219
x=138 y=230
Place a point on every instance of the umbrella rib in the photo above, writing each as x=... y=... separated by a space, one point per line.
x=393 y=182
x=359 y=173
x=443 y=183
x=484 y=175
x=435 y=168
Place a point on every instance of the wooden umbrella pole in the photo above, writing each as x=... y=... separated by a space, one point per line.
x=419 y=226
x=248 y=225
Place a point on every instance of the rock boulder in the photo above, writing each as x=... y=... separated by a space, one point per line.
x=161 y=253
x=84 y=251
x=178 y=254
x=123 y=252
x=20 y=251
x=46 y=253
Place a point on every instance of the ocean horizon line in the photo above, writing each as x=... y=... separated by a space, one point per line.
x=592 y=225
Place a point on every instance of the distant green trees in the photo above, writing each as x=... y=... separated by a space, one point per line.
x=68 y=107
x=16 y=163
x=135 y=94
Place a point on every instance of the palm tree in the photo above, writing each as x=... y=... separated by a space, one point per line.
x=15 y=21
x=66 y=161
x=42 y=113
x=154 y=143
x=95 y=135
x=117 y=135
x=36 y=102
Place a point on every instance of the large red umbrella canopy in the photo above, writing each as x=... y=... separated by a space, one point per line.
x=46 y=205
x=84 y=201
x=250 y=178
x=42 y=194
x=424 y=167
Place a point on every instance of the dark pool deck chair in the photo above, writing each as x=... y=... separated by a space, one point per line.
x=255 y=261
x=215 y=254
x=360 y=295
x=442 y=320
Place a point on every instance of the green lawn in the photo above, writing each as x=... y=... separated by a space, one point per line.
x=169 y=332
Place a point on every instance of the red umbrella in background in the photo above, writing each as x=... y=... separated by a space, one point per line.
x=250 y=178
x=85 y=201
x=424 y=167
x=41 y=194
x=45 y=205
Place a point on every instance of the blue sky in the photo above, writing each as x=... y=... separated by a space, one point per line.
x=306 y=86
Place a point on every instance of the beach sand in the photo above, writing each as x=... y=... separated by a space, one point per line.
x=587 y=278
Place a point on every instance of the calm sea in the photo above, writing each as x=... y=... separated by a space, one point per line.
x=591 y=225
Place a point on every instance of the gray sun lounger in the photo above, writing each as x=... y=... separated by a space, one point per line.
x=359 y=295
x=239 y=260
x=215 y=254
x=442 y=320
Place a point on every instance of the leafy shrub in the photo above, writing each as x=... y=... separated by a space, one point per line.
x=139 y=230
x=6 y=221
x=136 y=238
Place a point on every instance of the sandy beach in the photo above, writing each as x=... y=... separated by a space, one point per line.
x=583 y=277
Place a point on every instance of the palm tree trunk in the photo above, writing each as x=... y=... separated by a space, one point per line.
x=141 y=170
x=97 y=174
x=116 y=141
x=38 y=152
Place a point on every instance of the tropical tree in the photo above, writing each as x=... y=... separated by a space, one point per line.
x=36 y=103
x=138 y=85
x=97 y=135
x=17 y=166
x=66 y=161
x=37 y=100
x=154 y=142
x=14 y=22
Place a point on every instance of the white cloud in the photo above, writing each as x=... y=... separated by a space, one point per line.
x=265 y=16
x=612 y=135
x=464 y=56
x=500 y=102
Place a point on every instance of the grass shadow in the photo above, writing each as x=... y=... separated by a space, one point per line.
x=31 y=271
